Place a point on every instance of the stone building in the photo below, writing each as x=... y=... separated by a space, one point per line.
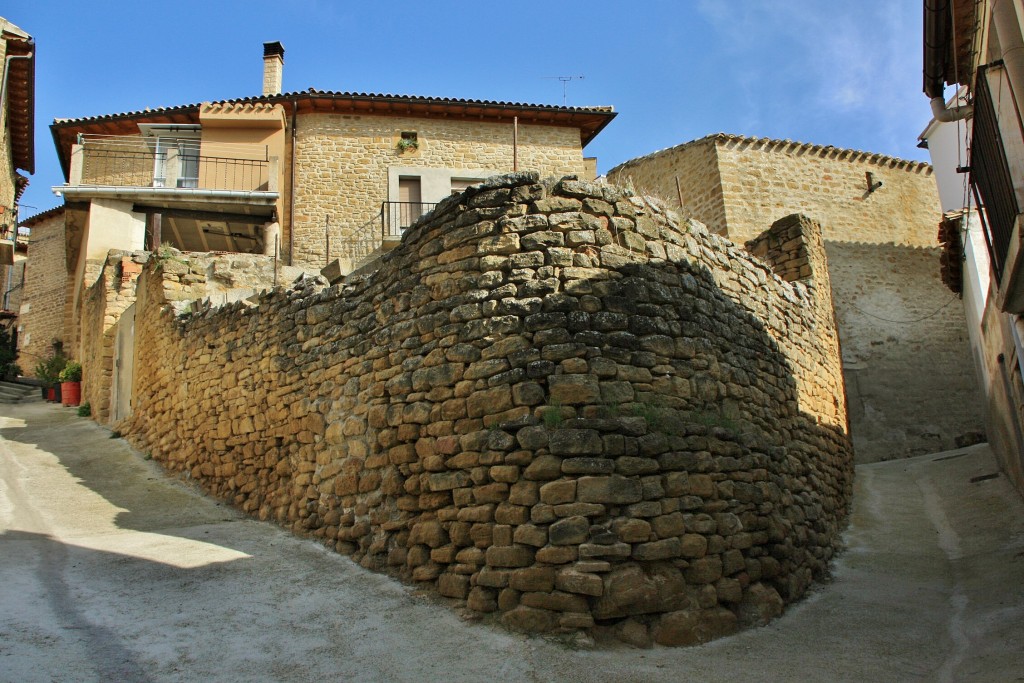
x=306 y=177
x=17 y=148
x=17 y=114
x=909 y=377
x=976 y=149
x=43 y=316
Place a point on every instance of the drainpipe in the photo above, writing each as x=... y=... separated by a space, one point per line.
x=7 y=69
x=954 y=113
x=938 y=36
x=1008 y=31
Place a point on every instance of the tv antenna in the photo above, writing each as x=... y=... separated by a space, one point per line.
x=565 y=83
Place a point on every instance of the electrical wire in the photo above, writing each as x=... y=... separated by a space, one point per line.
x=904 y=322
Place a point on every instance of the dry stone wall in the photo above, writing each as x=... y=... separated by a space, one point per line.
x=102 y=305
x=553 y=402
x=912 y=385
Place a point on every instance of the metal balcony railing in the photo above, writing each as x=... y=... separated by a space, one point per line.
x=397 y=216
x=991 y=180
x=130 y=162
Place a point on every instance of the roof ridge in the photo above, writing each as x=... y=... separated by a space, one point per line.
x=313 y=92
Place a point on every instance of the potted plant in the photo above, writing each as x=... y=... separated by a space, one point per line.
x=71 y=384
x=48 y=373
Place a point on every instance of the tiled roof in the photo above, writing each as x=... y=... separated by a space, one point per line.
x=20 y=94
x=288 y=97
x=40 y=217
x=790 y=146
x=589 y=120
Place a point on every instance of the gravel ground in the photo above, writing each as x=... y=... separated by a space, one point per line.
x=112 y=571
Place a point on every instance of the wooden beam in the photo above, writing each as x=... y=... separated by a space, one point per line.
x=204 y=215
x=177 y=236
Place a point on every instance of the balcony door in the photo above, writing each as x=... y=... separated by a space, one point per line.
x=410 y=198
x=188 y=159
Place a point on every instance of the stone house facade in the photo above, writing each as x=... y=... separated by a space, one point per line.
x=17 y=113
x=909 y=378
x=306 y=177
x=42 y=310
x=976 y=144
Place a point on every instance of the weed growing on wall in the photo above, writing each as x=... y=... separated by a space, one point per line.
x=552 y=416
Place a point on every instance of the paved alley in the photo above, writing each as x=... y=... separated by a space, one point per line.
x=112 y=571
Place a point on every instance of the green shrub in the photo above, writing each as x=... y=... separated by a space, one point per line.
x=72 y=372
x=84 y=410
x=48 y=370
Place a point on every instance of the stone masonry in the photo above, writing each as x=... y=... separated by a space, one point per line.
x=42 y=314
x=104 y=302
x=911 y=384
x=554 y=403
x=341 y=170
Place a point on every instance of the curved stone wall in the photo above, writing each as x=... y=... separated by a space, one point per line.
x=552 y=401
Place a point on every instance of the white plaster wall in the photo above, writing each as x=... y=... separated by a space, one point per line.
x=113 y=225
x=947 y=147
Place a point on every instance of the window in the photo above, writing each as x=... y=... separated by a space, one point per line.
x=175 y=153
x=188 y=155
x=408 y=141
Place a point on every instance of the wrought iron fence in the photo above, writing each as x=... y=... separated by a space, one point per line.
x=397 y=216
x=131 y=164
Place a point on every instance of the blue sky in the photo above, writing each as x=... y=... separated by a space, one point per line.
x=839 y=73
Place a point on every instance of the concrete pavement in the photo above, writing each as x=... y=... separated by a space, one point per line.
x=110 y=570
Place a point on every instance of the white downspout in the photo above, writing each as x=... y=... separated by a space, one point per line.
x=954 y=113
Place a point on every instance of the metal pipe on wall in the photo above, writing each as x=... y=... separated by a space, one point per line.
x=515 y=144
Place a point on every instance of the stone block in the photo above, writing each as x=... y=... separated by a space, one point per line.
x=509 y=556
x=575 y=442
x=586 y=466
x=529 y=619
x=664 y=549
x=614 y=489
x=533 y=579
x=557 y=554
x=574 y=389
x=530 y=534
x=569 y=531
x=632 y=530
x=556 y=601
x=544 y=467
x=630 y=590
x=453 y=585
x=572 y=581
x=556 y=492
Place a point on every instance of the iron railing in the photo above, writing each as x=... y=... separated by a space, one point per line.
x=395 y=217
x=127 y=168
x=991 y=180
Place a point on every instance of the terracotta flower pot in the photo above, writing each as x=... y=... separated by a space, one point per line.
x=71 y=393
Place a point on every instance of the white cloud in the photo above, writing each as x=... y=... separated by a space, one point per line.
x=845 y=65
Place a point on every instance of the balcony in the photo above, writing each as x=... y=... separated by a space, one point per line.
x=397 y=216
x=997 y=180
x=138 y=162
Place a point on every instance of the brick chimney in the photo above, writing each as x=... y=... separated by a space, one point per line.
x=273 y=67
